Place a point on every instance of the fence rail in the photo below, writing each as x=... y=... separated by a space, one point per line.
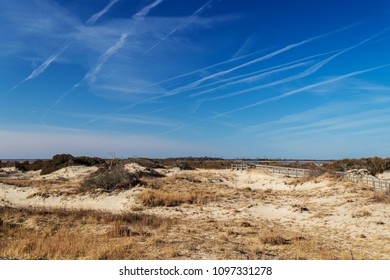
x=240 y=166
x=378 y=184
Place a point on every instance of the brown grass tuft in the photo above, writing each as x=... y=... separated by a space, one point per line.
x=361 y=214
x=154 y=198
x=59 y=234
x=379 y=197
x=275 y=240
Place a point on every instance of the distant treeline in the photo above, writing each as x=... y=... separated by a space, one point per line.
x=56 y=163
x=374 y=165
x=65 y=160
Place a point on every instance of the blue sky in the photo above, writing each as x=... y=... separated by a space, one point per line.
x=161 y=78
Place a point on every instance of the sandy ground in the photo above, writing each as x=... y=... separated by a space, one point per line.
x=324 y=207
x=384 y=175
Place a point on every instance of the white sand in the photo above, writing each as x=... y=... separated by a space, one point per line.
x=384 y=175
x=76 y=173
x=23 y=197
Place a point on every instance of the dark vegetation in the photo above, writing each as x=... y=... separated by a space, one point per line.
x=374 y=165
x=65 y=160
x=184 y=163
x=58 y=162
x=108 y=180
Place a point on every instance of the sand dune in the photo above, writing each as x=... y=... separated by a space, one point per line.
x=351 y=215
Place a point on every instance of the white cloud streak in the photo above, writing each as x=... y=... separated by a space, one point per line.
x=204 y=69
x=139 y=16
x=145 y=11
x=281 y=96
x=196 y=71
x=305 y=88
x=265 y=57
x=91 y=74
x=301 y=75
x=40 y=69
x=253 y=78
x=174 y=78
x=93 y=19
x=182 y=25
x=130 y=119
x=238 y=77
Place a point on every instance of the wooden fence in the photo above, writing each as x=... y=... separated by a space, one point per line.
x=378 y=184
x=240 y=166
x=295 y=172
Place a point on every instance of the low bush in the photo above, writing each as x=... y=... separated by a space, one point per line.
x=88 y=161
x=149 y=173
x=110 y=180
x=58 y=162
x=374 y=165
x=185 y=166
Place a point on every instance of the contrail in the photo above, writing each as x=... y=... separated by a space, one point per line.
x=205 y=68
x=229 y=79
x=91 y=74
x=284 y=95
x=238 y=77
x=301 y=75
x=145 y=11
x=182 y=25
x=40 y=69
x=196 y=83
x=253 y=78
x=92 y=20
x=266 y=57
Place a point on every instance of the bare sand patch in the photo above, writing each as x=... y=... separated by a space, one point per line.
x=384 y=175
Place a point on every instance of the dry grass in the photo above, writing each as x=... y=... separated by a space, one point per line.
x=361 y=214
x=183 y=188
x=59 y=234
x=24 y=183
x=379 y=197
x=153 y=198
x=45 y=188
x=316 y=177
